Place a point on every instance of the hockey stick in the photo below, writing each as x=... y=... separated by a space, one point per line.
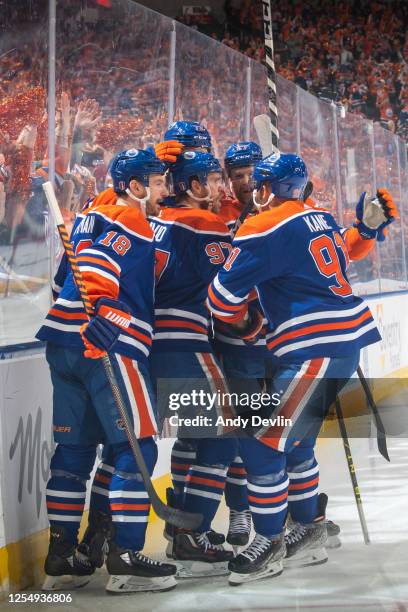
x=174 y=516
x=381 y=437
x=259 y=123
x=352 y=470
x=266 y=127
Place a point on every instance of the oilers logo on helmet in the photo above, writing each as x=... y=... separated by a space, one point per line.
x=134 y=164
x=192 y=165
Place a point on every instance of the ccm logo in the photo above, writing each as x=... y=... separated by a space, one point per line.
x=119 y=320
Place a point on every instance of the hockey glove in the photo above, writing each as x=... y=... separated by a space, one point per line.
x=373 y=215
x=251 y=329
x=169 y=150
x=102 y=332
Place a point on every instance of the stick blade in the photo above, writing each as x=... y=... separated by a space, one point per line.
x=179 y=518
x=382 y=445
x=262 y=125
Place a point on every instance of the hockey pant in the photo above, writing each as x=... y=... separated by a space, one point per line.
x=282 y=470
x=84 y=415
x=199 y=463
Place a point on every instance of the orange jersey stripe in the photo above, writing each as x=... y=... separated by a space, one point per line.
x=171 y=323
x=218 y=382
x=205 y=481
x=98 y=286
x=305 y=331
x=273 y=435
x=73 y=316
x=268 y=500
x=268 y=219
x=303 y=485
x=127 y=216
x=220 y=304
x=101 y=262
x=139 y=336
x=145 y=423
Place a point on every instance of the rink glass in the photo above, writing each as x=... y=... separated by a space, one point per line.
x=143 y=77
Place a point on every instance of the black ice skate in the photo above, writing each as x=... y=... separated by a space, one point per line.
x=239 y=528
x=168 y=533
x=333 y=530
x=196 y=557
x=95 y=543
x=262 y=559
x=132 y=572
x=306 y=543
x=65 y=567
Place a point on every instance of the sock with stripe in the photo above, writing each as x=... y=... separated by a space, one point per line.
x=267 y=486
x=101 y=483
x=183 y=454
x=206 y=478
x=303 y=472
x=236 y=496
x=128 y=499
x=70 y=467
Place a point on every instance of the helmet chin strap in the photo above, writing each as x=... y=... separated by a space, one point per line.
x=207 y=198
x=142 y=201
x=258 y=205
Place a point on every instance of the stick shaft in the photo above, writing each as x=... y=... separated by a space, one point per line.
x=271 y=73
x=171 y=515
x=352 y=470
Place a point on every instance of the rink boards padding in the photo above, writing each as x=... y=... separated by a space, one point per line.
x=26 y=439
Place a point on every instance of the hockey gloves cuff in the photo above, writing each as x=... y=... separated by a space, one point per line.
x=102 y=331
x=373 y=215
x=168 y=151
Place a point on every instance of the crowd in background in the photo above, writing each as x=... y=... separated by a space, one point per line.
x=353 y=52
x=113 y=87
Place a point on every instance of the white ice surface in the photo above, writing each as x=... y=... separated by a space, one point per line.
x=356 y=577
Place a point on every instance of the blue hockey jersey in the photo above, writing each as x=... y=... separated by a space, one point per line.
x=115 y=252
x=296 y=259
x=191 y=245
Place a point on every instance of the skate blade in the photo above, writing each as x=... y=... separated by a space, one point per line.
x=270 y=571
x=200 y=569
x=64 y=583
x=306 y=558
x=138 y=584
x=333 y=542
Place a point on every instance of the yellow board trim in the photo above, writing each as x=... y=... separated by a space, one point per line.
x=21 y=562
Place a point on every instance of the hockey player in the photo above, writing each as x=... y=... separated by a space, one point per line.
x=115 y=251
x=192 y=243
x=319 y=327
x=243 y=363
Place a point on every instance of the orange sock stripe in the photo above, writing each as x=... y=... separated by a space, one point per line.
x=304 y=485
x=267 y=500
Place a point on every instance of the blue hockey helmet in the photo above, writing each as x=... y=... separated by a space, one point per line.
x=134 y=164
x=287 y=174
x=242 y=154
x=190 y=165
x=189 y=133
